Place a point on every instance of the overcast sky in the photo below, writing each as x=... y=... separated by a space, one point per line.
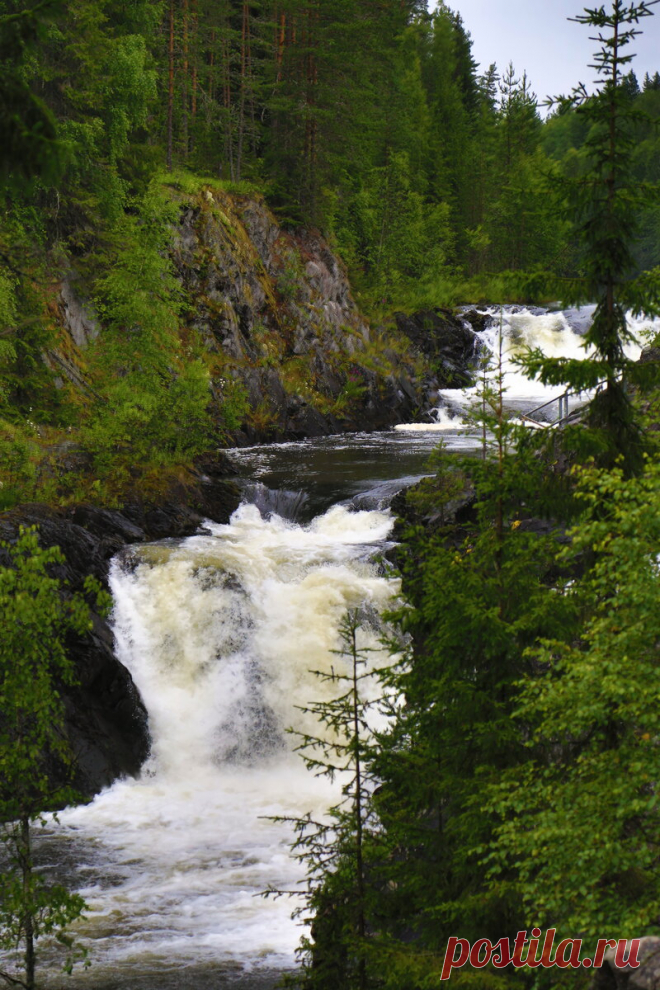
x=535 y=35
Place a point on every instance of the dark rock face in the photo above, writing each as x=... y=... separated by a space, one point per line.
x=477 y=320
x=650 y=355
x=105 y=717
x=277 y=306
x=275 y=309
x=446 y=340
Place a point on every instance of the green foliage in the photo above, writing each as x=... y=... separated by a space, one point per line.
x=289 y=280
x=30 y=149
x=129 y=87
x=606 y=200
x=36 y=616
x=17 y=467
x=339 y=853
x=478 y=597
x=152 y=390
x=579 y=821
x=7 y=322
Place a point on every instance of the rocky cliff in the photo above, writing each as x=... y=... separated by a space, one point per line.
x=274 y=311
x=277 y=306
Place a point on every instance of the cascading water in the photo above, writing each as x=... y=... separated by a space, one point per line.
x=556 y=333
x=220 y=633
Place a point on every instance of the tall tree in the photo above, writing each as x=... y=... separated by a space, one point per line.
x=339 y=890
x=605 y=201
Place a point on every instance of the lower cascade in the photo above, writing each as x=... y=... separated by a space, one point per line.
x=220 y=632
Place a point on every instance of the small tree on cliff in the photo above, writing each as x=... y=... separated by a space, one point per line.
x=36 y=763
x=605 y=201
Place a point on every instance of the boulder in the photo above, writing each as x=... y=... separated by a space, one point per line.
x=478 y=321
x=645 y=977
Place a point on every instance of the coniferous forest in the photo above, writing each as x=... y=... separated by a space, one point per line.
x=504 y=776
x=435 y=182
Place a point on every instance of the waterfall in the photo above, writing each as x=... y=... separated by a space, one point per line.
x=220 y=633
x=556 y=333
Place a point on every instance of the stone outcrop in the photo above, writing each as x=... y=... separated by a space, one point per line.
x=276 y=308
x=645 y=977
x=446 y=340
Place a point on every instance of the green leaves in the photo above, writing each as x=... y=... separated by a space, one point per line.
x=580 y=823
x=36 y=615
x=30 y=148
x=605 y=201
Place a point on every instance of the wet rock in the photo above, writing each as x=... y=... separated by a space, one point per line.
x=102 y=522
x=446 y=340
x=106 y=719
x=477 y=320
x=650 y=355
x=308 y=422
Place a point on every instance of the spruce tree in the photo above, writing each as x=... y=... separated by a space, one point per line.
x=478 y=596
x=605 y=202
x=579 y=820
x=338 y=852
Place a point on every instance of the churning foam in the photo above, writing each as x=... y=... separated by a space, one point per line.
x=220 y=633
x=556 y=335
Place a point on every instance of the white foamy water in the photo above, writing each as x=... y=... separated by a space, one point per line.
x=220 y=633
x=557 y=334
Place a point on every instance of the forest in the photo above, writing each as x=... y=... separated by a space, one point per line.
x=111 y=109
x=508 y=782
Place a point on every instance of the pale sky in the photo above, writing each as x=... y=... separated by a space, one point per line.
x=536 y=36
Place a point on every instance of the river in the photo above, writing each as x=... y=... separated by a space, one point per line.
x=220 y=632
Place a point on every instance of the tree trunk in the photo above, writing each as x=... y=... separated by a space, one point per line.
x=170 y=89
x=241 y=112
x=195 y=57
x=185 y=83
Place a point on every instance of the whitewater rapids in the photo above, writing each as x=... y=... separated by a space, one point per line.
x=220 y=633
x=556 y=333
